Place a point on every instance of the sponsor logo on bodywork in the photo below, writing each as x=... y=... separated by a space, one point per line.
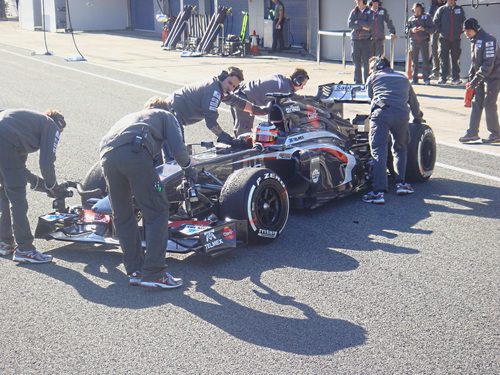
x=292 y=108
x=267 y=233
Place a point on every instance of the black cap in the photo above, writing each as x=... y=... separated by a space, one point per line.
x=471 y=24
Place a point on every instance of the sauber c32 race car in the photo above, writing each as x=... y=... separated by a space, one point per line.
x=305 y=155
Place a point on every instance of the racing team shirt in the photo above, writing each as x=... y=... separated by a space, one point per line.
x=156 y=125
x=425 y=21
x=448 y=21
x=485 y=57
x=379 y=17
x=359 y=19
x=194 y=103
x=255 y=91
x=30 y=131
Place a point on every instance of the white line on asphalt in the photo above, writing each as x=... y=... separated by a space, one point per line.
x=470 y=148
x=459 y=146
x=467 y=171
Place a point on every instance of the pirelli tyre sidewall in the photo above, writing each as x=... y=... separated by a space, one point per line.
x=421 y=153
x=259 y=196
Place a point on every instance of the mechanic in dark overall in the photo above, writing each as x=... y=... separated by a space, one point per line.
x=23 y=132
x=390 y=93
x=255 y=91
x=128 y=154
x=380 y=17
x=484 y=76
x=420 y=28
x=194 y=103
x=448 y=22
x=278 y=23
x=436 y=4
x=361 y=22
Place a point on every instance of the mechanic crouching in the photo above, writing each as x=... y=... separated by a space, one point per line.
x=194 y=103
x=390 y=93
x=129 y=152
x=23 y=132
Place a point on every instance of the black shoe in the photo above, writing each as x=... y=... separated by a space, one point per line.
x=491 y=139
x=468 y=138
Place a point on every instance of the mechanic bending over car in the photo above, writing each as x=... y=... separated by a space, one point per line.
x=194 y=103
x=390 y=93
x=255 y=91
x=128 y=155
x=23 y=132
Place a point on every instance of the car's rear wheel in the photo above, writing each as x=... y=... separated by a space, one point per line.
x=259 y=196
x=94 y=180
x=421 y=153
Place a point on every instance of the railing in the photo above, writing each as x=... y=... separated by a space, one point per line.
x=344 y=34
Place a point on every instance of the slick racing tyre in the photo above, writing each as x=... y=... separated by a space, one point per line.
x=421 y=153
x=94 y=180
x=259 y=196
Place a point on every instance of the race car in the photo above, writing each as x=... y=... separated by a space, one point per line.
x=303 y=156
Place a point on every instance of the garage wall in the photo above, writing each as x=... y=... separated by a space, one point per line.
x=99 y=14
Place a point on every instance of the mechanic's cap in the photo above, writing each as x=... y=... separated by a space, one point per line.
x=471 y=24
x=57 y=117
x=266 y=133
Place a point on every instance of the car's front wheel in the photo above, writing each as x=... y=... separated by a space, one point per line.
x=421 y=153
x=259 y=196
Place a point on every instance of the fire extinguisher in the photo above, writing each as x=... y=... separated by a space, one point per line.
x=164 y=33
x=469 y=95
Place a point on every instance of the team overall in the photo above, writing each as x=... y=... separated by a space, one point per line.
x=378 y=31
x=419 y=44
x=361 y=41
x=129 y=170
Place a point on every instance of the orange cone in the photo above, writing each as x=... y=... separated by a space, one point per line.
x=409 y=73
x=254 y=48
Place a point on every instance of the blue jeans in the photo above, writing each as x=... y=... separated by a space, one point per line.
x=385 y=122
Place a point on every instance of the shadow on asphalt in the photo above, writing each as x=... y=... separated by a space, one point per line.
x=309 y=243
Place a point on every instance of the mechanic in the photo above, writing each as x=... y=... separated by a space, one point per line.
x=436 y=4
x=255 y=91
x=194 y=103
x=448 y=22
x=278 y=23
x=380 y=16
x=128 y=153
x=420 y=27
x=23 y=132
x=484 y=75
x=390 y=93
x=361 y=22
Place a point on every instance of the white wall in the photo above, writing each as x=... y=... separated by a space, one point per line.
x=30 y=14
x=99 y=14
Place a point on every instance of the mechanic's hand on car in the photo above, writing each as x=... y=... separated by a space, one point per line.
x=260 y=111
x=191 y=174
x=225 y=138
x=58 y=191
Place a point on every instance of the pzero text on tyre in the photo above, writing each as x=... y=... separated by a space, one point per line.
x=259 y=196
x=421 y=153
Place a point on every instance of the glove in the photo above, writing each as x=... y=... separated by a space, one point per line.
x=225 y=138
x=59 y=191
x=191 y=173
x=473 y=83
x=259 y=111
x=36 y=183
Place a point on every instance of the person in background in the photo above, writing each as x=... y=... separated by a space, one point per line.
x=420 y=27
x=392 y=98
x=434 y=60
x=23 y=132
x=484 y=76
x=448 y=22
x=361 y=22
x=380 y=16
x=278 y=23
x=255 y=91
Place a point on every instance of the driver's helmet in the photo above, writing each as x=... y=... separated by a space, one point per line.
x=266 y=133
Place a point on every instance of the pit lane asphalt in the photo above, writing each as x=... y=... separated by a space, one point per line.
x=410 y=287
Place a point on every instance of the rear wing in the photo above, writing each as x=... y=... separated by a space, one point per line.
x=343 y=93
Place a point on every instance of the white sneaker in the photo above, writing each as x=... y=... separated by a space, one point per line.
x=31 y=256
x=404 y=189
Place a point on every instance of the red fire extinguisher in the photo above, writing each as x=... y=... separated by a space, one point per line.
x=164 y=33
x=469 y=94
